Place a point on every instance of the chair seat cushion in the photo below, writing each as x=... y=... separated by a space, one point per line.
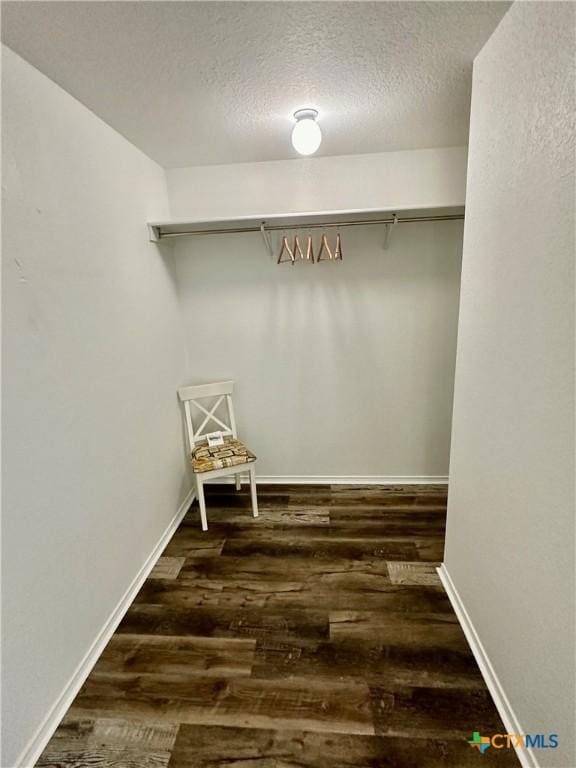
x=230 y=454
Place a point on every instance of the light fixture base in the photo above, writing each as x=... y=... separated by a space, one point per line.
x=303 y=114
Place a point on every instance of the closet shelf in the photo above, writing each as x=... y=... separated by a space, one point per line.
x=161 y=230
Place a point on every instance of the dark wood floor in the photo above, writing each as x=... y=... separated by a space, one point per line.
x=317 y=635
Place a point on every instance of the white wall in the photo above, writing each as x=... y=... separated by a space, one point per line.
x=424 y=178
x=342 y=368
x=93 y=465
x=510 y=539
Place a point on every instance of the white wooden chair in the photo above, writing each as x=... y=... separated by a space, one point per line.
x=231 y=458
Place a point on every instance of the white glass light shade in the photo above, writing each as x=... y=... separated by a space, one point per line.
x=306 y=134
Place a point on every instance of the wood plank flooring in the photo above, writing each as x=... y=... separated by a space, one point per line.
x=315 y=636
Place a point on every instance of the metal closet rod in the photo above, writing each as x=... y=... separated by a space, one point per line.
x=315 y=225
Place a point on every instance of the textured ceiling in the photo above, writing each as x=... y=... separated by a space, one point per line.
x=194 y=83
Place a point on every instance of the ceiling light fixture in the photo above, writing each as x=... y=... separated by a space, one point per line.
x=306 y=134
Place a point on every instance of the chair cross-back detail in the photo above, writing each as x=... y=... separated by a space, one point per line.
x=230 y=457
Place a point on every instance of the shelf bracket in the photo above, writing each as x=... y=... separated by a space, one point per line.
x=387 y=231
x=153 y=234
x=266 y=238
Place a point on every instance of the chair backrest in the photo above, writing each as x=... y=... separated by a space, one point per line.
x=219 y=392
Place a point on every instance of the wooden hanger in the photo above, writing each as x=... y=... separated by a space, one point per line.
x=299 y=253
x=285 y=247
x=310 y=249
x=325 y=247
x=338 y=248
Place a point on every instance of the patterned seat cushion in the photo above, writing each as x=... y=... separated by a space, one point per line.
x=230 y=454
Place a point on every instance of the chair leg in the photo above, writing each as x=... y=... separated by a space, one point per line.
x=202 y=503
x=238 y=482
x=253 y=491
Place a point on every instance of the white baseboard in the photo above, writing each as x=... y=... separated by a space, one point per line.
x=43 y=734
x=526 y=757
x=346 y=479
